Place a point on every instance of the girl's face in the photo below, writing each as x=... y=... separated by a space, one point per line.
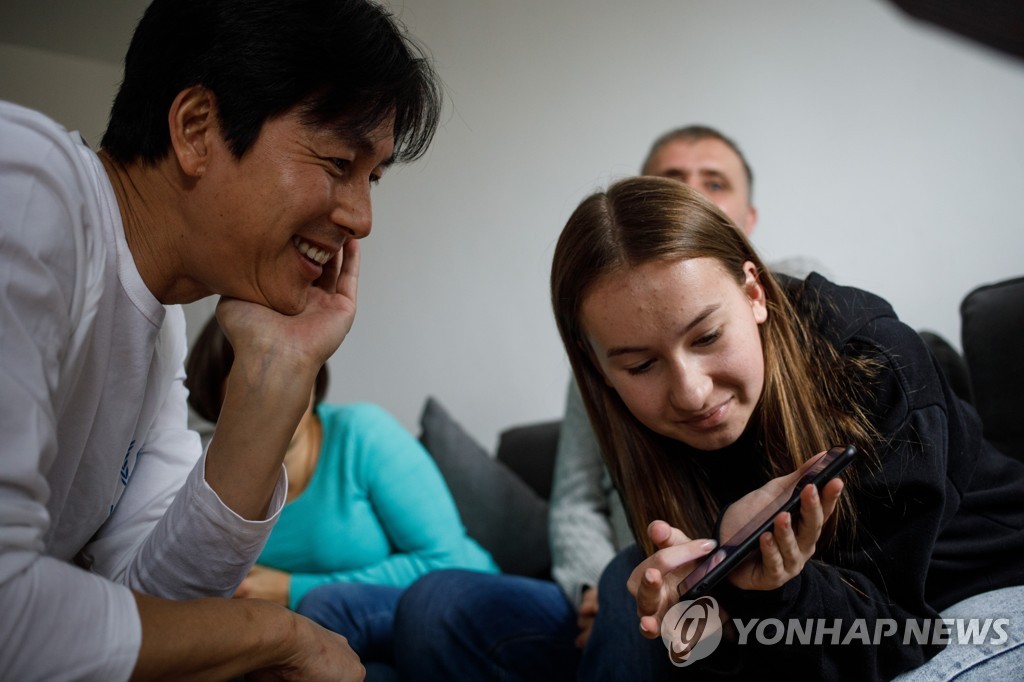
x=678 y=341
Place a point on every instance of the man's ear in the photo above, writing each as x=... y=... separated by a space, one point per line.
x=751 y=220
x=754 y=290
x=192 y=120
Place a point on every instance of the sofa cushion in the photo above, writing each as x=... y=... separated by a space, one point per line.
x=992 y=326
x=499 y=510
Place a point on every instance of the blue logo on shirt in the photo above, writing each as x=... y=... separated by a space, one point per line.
x=125 y=470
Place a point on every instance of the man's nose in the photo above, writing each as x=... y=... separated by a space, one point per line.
x=353 y=211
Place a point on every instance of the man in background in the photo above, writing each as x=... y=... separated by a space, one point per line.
x=712 y=164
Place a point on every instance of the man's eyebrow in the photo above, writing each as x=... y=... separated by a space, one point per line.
x=703 y=315
x=363 y=145
x=713 y=173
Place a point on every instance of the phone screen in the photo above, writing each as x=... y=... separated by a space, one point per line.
x=733 y=551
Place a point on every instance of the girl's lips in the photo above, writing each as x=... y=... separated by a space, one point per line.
x=711 y=419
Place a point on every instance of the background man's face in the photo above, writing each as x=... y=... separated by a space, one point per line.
x=712 y=168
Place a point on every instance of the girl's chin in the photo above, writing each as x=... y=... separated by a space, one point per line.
x=708 y=441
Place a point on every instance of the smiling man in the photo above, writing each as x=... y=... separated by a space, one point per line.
x=238 y=161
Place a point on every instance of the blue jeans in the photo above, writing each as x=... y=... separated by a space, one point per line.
x=363 y=614
x=466 y=625
x=981 y=662
x=617 y=650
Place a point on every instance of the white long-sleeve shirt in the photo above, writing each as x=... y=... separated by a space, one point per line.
x=101 y=482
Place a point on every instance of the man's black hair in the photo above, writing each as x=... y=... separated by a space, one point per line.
x=348 y=63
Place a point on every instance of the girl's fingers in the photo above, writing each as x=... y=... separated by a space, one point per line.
x=651 y=603
x=650 y=627
x=654 y=593
x=664 y=535
x=773 y=565
x=812 y=518
x=790 y=552
x=830 y=495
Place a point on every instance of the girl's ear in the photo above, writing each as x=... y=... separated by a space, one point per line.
x=755 y=292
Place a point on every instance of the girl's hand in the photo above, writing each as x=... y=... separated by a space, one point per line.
x=783 y=551
x=654 y=583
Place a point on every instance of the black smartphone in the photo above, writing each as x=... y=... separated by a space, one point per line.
x=733 y=551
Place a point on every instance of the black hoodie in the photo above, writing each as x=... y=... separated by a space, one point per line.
x=939 y=515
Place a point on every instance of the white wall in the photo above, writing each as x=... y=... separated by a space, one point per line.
x=886 y=149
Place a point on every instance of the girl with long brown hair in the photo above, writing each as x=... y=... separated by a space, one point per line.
x=710 y=383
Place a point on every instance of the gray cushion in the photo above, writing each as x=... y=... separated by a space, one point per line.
x=499 y=510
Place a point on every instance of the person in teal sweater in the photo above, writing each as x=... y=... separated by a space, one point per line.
x=367 y=512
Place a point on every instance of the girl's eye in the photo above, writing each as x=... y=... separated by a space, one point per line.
x=708 y=338
x=640 y=369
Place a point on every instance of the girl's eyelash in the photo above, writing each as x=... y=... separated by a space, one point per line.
x=709 y=338
x=639 y=369
x=705 y=340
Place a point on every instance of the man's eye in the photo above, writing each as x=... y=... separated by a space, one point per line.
x=715 y=186
x=340 y=164
x=641 y=368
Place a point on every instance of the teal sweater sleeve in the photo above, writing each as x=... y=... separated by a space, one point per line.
x=376 y=510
